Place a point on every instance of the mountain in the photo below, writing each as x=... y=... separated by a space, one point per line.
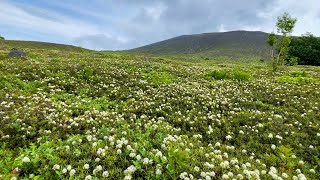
x=230 y=44
x=5 y=44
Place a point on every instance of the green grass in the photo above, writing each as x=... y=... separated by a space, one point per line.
x=119 y=115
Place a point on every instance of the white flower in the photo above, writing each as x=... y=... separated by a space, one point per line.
x=225 y=176
x=284 y=175
x=86 y=166
x=72 y=172
x=138 y=157
x=312 y=171
x=158 y=172
x=301 y=162
x=88 y=177
x=25 y=160
x=197 y=169
x=89 y=138
x=159 y=154
x=240 y=176
x=228 y=137
x=119 y=151
x=131 y=169
x=69 y=167
x=56 y=167
x=145 y=161
x=273 y=146
x=105 y=174
x=64 y=170
x=99 y=168
x=302 y=177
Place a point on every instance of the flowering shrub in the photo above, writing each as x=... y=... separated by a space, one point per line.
x=109 y=115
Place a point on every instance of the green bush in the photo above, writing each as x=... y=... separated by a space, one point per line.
x=296 y=77
x=241 y=76
x=300 y=74
x=218 y=75
x=293 y=61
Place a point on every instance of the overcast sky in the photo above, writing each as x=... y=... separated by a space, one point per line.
x=124 y=24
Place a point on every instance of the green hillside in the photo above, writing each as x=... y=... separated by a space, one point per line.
x=7 y=44
x=230 y=44
x=117 y=115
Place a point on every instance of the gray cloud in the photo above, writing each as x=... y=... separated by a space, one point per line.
x=100 y=42
x=159 y=20
x=124 y=24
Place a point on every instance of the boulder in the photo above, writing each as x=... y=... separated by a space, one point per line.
x=15 y=53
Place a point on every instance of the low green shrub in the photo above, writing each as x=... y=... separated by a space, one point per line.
x=217 y=75
x=241 y=76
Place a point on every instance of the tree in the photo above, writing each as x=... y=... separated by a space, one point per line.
x=272 y=41
x=285 y=26
x=306 y=48
x=1 y=38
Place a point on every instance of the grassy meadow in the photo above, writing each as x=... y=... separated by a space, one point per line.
x=80 y=114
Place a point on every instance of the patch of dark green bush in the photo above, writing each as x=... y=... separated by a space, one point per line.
x=241 y=76
x=217 y=75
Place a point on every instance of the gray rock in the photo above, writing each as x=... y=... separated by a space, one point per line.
x=15 y=53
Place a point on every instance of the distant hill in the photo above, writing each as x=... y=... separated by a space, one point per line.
x=5 y=44
x=231 y=44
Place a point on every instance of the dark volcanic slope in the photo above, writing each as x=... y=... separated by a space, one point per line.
x=234 y=43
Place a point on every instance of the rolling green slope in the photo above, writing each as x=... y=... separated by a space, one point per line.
x=232 y=44
x=6 y=44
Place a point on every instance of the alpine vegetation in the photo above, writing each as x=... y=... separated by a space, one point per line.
x=94 y=115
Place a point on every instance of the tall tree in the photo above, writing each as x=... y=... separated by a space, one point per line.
x=1 y=38
x=285 y=25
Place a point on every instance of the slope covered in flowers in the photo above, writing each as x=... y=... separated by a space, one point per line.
x=87 y=115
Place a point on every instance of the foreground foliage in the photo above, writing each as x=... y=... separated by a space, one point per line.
x=93 y=115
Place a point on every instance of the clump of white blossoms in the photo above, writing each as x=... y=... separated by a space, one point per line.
x=147 y=161
x=86 y=166
x=129 y=171
x=228 y=137
x=56 y=167
x=88 y=177
x=158 y=172
x=105 y=174
x=64 y=170
x=72 y=172
x=25 y=160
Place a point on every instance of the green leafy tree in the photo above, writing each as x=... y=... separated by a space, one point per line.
x=272 y=41
x=1 y=37
x=285 y=25
x=307 y=49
